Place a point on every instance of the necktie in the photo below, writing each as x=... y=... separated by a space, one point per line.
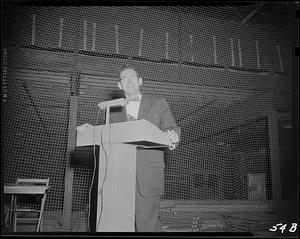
x=135 y=99
x=129 y=100
x=130 y=117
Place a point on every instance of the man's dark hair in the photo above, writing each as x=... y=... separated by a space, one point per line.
x=126 y=67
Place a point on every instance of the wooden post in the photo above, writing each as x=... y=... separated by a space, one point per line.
x=33 y=30
x=84 y=35
x=67 y=211
x=117 y=38
x=257 y=55
x=232 y=52
x=274 y=155
x=192 y=47
x=141 y=42
x=167 y=45
x=240 y=52
x=215 y=50
x=60 y=36
x=94 y=37
x=280 y=59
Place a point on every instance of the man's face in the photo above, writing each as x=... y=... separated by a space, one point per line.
x=130 y=82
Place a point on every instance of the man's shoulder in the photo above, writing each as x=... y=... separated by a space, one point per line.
x=153 y=97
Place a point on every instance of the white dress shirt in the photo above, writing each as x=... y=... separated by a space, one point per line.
x=132 y=108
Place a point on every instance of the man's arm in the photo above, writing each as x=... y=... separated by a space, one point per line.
x=168 y=124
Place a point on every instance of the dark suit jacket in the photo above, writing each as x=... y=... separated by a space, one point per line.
x=150 y=162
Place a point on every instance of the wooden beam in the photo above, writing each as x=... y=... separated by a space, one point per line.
x=251 y=14
x=69 y=170
x=69 y=173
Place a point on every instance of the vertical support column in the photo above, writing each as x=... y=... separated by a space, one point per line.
x=117 y=38
x=192 y=47
x=84 y=35
x=257 y=55
x=274 y=155
x=280 y=59
x=232 y=52
x=69 y=173
x=240 y=52
x=215 y=50
x=141 y=42
x=167 y=46
x=94 y=37
x=33 y=30
x=60 y=36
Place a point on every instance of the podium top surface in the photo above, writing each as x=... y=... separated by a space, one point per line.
x=138 y=132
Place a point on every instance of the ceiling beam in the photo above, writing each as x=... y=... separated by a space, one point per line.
x=251 y=14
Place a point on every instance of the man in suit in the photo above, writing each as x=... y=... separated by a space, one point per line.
x=150 y=162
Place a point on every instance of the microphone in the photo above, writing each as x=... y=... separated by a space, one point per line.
x=112 y=103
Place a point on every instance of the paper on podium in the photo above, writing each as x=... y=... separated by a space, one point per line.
x=85 y=135
x=138 y=132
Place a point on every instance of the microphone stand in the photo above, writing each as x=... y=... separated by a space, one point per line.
x=107 y=115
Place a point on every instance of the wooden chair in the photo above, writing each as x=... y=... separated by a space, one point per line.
x=29 y=208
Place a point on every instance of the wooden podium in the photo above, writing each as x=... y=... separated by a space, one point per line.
x=117 y=168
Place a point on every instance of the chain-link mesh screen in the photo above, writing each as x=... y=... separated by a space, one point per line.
x=228 y=85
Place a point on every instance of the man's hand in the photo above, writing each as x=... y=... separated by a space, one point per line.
x=173 y=137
